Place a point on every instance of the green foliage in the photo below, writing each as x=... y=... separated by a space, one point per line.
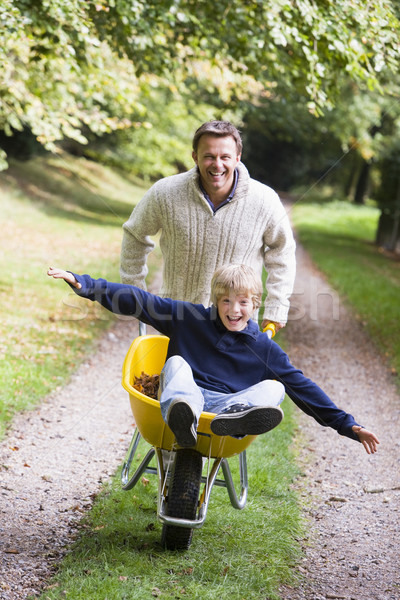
x=286 y=146
x=71 y=68
x=57 y=77
x=367 y=125
x=301 y=43
x=388 y=194
x=163 y=145
x=352 y=146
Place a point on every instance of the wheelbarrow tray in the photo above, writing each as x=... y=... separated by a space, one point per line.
x=147 y=354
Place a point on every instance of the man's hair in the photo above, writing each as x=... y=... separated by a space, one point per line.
x=237 y=279
x=218 y=129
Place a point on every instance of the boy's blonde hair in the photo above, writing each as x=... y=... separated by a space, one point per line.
x=239 y=279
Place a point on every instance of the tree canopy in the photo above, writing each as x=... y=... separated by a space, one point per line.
x=304 y=44
x=72 y=66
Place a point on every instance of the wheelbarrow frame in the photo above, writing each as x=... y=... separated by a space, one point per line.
x=129 y=481
x=147 y=354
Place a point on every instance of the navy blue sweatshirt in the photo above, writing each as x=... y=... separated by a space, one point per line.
x=221 y=360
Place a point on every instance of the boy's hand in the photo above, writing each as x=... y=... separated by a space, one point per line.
x=367 y=438
x=61 y=274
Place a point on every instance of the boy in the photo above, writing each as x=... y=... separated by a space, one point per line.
x=219 y=361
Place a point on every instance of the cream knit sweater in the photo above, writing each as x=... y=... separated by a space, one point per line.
x=252 y=229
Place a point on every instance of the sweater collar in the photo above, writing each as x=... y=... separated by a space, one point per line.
x=242 y=186
x=228 y=199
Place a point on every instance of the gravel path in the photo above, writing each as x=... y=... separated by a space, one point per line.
x=352 y=551
x=55 y=458
x=53 y=463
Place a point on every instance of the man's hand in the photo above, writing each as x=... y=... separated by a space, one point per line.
x=66 y=275
x=277 y=325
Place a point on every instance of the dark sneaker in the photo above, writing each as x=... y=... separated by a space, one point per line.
x=241 y=420
x=181 y=421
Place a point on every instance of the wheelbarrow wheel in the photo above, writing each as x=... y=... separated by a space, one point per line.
x=183 y=496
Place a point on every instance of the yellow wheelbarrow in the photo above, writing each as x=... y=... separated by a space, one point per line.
x=182 y=502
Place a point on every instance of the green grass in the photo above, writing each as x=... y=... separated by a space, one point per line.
x=61 y=212
x=339 y=236
x=236 y=554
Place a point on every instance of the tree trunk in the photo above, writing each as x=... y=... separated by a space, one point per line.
x=352 y=178
x=388 y=232
x=361 y=191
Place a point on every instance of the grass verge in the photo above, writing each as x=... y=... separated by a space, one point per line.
x=339 y=237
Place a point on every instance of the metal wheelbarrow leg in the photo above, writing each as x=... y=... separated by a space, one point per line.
x=129 y=481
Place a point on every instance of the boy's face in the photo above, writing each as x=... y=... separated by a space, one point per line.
x=235 y=310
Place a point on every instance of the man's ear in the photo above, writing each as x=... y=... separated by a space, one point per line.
x=194 y=156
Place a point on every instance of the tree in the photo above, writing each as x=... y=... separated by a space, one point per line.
x=303 y=44
x=57 y=77
x=355 y=147
x=69 y=67
x=388 y=192
x=368 y=125
x=388 y=232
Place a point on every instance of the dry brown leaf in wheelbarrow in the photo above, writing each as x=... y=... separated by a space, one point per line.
x=147 y=384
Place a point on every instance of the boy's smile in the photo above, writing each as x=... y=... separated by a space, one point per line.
x=235 y=311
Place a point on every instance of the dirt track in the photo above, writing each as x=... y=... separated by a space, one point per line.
x=352 y=551
x=56 y=457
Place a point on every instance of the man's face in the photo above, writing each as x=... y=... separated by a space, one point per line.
x=235 y=311
x=216 y=158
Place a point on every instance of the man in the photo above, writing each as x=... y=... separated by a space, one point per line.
x=212 y=215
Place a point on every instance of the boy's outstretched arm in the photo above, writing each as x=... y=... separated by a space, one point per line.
x=66 y=275
x=367 y=438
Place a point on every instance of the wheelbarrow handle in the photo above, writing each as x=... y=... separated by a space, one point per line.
x=270 y=330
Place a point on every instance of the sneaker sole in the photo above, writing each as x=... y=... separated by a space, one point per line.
x=254 y=421
x=181 y=423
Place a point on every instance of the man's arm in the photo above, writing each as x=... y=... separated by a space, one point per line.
x=144 y=221
x=133 y=261
x=280 y=264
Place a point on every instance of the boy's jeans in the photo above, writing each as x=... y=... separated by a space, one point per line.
x=176 y=381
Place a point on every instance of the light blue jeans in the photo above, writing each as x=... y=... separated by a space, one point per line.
x=176 y=381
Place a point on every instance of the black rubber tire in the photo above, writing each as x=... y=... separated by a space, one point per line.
x=183 y=497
